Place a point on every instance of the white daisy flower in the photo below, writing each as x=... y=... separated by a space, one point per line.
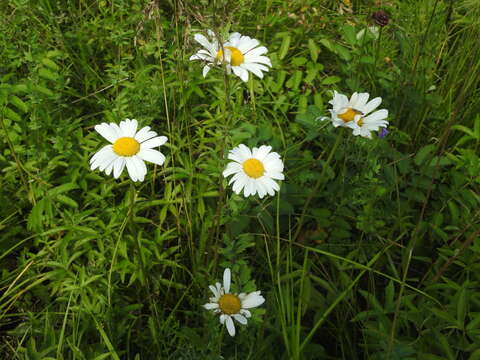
x=255 y=170
x=128 y=148
x=357 y=114
x=232 y=306
x=210 y=52
x=243 y=54
x=240 y=53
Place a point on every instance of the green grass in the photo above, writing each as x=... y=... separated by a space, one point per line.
x=369 y=251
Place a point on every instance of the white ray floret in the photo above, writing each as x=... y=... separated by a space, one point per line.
x=231 y=306
x=254 y=171
x=128 y=148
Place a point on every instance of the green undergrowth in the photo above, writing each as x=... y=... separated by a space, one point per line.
x=369 y=251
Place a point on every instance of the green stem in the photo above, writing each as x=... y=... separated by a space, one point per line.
x=338 y=300
x=318 y=185
x=138 y=247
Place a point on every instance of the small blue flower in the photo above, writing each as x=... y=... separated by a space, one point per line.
x=384 y=132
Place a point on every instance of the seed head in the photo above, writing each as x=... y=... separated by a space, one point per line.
x=381 y=18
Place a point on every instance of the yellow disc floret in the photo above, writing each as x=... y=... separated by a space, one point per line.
x=253 y=168
x=349 y=114
x=229 y=304
x=126 y=146
x=236 y=57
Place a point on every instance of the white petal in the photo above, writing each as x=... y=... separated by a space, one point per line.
x=246 y=313
x=362 y=100
x=259 y=60
x=157 y=141
x=275 y=175
x=109 y=168
x=261 y=152
x=240 y=183
x=371 y=105
x=230 y=326
x=107 y=132
x=227 y=280
x=141 y=167
x=100 y=153
x=248 y=45
x=118 y=167
x=241 y=73
x=240 y=318
x=214 y=290
x=128 y=127
x=106 y=160
x=132 y=169
x=151 y=155
x=222 y=319
x=257 y=51
x=252 y=300
x=253 y=68
x=376 y=116
x=205 y=70
x=202 y=40
x=211 y=306
x=232 y=168
x=144 y=134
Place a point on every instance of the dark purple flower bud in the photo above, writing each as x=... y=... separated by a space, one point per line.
x=381 y=18
x=384 y=132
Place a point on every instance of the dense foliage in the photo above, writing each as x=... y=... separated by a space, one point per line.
x=369 y=251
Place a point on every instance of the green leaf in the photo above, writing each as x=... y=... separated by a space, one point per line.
x=47 y=74
x=12 y=115
x=423 y=153
x=314 y=50
x=349 y=33
x=329 y=80
x=50 y=64
x=284 y=47
x=18 y=103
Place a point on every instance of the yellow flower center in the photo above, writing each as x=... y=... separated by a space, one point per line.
x=360 y=122
x=253 y=168
x=236 y=57
x=126 y=146
x=229 y=304
x=349 y=115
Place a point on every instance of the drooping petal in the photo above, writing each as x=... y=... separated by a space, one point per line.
x=132 y=169
x=240 y=318
x=205 y=70
x=118 y=167
x=230 y=326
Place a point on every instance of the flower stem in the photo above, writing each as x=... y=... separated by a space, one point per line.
x=318 y=186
